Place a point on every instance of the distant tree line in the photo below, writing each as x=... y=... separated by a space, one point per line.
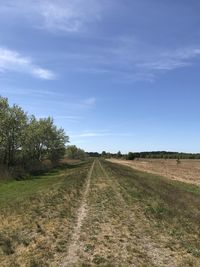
x=25 y=140
x=105 y=154
x=93 y=154
x=162 y=155
x=151 y=155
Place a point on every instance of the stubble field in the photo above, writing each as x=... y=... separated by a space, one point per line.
x=188 y=170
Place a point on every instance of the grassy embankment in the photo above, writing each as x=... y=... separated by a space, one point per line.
x=172 y=207
x=137 y=219
x=37 y=215
x=132 y=219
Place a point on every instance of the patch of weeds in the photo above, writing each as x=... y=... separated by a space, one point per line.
x=6 y=245
x=36 y=263
x=192 y=250
x=40 y=230
x=158 y=210
x=86 y=265
x=98 y=259
x=93 y=238
x=61 y=246
x=89 y=248
x=107 y=237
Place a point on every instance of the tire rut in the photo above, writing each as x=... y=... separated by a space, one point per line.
x=157 y=254
x=72 y=255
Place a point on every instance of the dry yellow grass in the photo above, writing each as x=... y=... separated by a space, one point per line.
x=131 y=219
x=187 y=171
x=37 y=216
x=111 y=216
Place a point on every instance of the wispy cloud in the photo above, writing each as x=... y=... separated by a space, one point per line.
x=69 y=16
x=13 y=61
x=62 y=108
x=42 y=93
x=66 y=118
x=128 y=59
x=60 y=15
x=89 y=101
x=170 y=60
x=88 y=134
x=83 y=104
x=122 y=58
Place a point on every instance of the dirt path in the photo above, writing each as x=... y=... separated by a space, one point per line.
x=113 y=231
x=153 y=253
x=72 y=258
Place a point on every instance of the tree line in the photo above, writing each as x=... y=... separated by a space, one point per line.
x=151 y=155
x=24 y=139
x=162 y=155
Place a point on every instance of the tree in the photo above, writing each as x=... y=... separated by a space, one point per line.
x=56 y=145
x=24 y=139
x=73 y=152
x=44 y=140
x=119 y=154
x=4 y=114
x=130 y=156
x=104 y=154
x=13 y=123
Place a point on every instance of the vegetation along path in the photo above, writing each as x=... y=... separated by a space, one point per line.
x=99 y=214
x=82 y=211
x=125 y=220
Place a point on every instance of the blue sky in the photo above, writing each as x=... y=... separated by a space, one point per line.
x=116 y=75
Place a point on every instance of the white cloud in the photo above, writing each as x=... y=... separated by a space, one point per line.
x=123 y=58
x=83 y=104
x=144 y=61
x=71 y=15
x=88 y=134
x=126 y=59
x=170 y=60
x=39 y=93
x=13 y=61
x=43 y=73
x=60 y=15
x=90 y=101
x=71 y=118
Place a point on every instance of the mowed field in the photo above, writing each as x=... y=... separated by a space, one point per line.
x=187 y=171
x=99 y=213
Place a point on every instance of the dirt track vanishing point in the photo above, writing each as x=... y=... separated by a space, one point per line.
x=112 y=230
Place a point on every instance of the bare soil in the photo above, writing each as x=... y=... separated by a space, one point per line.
x=74 y=246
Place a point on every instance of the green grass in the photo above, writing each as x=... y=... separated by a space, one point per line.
x=16 y=191
x=37 y=215
x=20 y=190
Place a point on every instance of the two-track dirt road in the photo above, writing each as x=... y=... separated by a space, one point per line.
x=112 y=230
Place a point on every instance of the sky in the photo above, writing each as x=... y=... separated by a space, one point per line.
x=116 y=75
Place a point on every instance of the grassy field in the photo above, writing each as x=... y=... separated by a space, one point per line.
x=188 y=170
x=37 y=216
x=99 y=214
x=171 y=207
